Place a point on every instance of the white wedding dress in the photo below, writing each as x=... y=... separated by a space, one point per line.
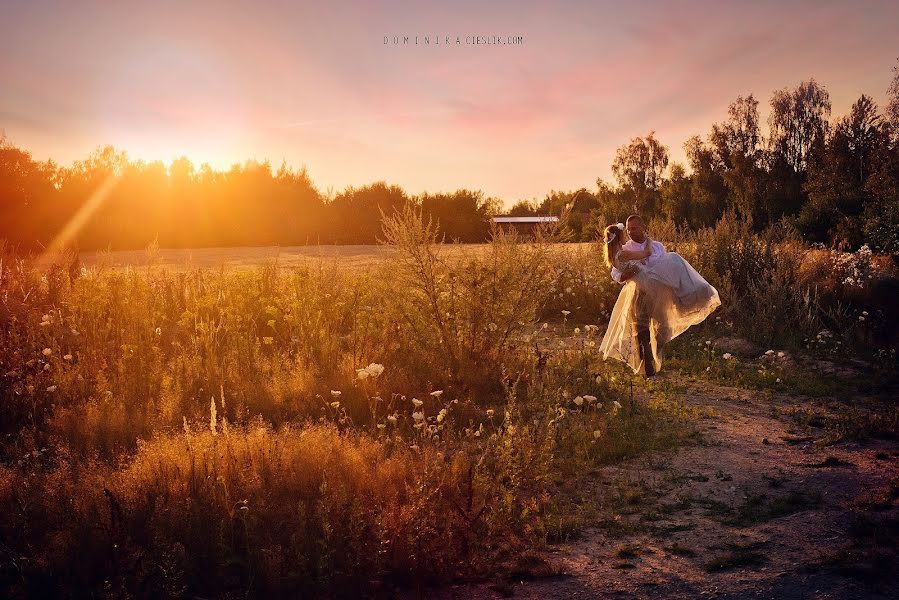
x=670 y=294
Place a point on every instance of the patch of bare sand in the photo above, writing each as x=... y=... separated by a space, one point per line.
x=751 y=510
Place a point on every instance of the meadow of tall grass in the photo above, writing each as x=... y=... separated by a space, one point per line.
x=289 y=432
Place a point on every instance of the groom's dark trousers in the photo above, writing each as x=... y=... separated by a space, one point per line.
x=640 y=319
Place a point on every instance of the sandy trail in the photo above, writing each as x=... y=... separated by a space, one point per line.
x=753 y=508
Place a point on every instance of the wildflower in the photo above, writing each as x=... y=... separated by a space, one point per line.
x=598 y=379
x=159 y=331
x=708 y=342
x=418 y=416
x=51 y=388
x=861 y=318
x=589 y=398
x=490 y=412
x=579 y=400
x=268 y=340
x=491 y=326
x=865 y=313
x=392 y=419
x=335 y=404
x=335 y=393
x=414 y=447
x=566 y=312
x=780 y=355
x=567 y=291
x=47 y=367
x=565 y=394
x=270 y=322
x=577 y=331
x=597 y=434
x=769 y=352
x=546 y=326
x=437 y=393
x=46 y=352
x=67 y=357
x=441 y=415
x=617 y=404
x=416 y=402
x=708 y=368
x=372 y=370
x=361 y=373
x=591 y=344
x=727 y=356
x=381 y=426
x=778 y=380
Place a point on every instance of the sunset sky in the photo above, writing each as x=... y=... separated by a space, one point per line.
x=313 y=83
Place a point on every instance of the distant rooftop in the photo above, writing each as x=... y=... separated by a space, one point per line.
x=505 y=219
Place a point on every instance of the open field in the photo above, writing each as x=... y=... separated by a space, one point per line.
x=351 y=257
x=382 y=421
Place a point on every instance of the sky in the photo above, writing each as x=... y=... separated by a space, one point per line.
x=313 y=83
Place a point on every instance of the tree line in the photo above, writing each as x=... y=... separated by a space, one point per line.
x=835 y=180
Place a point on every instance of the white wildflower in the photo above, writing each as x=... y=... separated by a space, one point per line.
x=727 y=356
x=579 y=400
x=437 y=393
x=416 y=402
x=335 y=393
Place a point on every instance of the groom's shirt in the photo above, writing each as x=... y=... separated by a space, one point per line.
x=658 y=250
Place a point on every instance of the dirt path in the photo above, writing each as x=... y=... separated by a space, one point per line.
x=754 y=508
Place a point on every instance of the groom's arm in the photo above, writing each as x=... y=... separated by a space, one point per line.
x=622 y=276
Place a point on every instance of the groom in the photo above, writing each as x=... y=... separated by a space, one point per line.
x=640 y=315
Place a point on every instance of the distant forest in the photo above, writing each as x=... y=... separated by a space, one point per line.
x=836 y=180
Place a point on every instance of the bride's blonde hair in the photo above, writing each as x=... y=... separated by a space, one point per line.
x=612 y=243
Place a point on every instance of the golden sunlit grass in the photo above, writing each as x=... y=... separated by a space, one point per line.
x=294 y=431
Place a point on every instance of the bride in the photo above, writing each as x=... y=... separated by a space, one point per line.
x=661 y=298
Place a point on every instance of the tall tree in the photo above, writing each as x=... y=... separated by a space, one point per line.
x=798 y=121
x=639 y=167
x=737 y=149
